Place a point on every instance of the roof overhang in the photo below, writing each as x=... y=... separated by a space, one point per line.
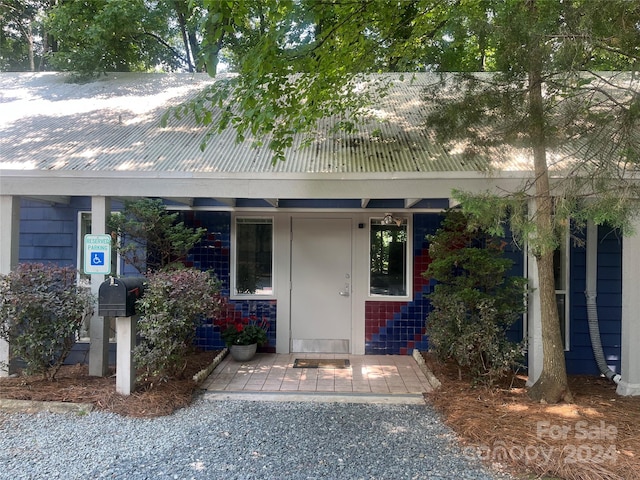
x=226 y=187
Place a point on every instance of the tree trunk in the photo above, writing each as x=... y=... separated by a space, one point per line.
x=185 y=39
x=552 y=386
x=32 y=63
x=195 y=47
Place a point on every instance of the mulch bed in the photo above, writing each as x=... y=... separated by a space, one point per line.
x=595 y=438
x=73 y=384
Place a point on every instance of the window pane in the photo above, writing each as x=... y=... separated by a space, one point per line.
x=388 y=258
x=560 y=264
x=562 y=316
x=560 y=273
x=254 y=253
x=85 y=228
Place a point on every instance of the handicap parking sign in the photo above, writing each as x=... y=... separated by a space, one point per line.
x=97 y=258
x=97 y=254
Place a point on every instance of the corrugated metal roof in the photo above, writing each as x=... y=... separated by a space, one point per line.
x=113 y=124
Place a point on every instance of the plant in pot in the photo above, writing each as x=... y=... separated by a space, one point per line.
x=243 y=338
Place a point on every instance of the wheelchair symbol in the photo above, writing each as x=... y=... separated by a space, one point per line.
x=97 y=258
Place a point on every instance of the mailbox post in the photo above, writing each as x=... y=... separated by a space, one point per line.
x=117 y=298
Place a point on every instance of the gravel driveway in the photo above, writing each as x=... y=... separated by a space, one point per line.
x=238 y=440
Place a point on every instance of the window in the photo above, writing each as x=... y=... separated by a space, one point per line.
x=561 y=276
x=388 y=257
x=84 y=229
x=254 y=256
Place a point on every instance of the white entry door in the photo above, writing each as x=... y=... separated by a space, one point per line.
x=321 y=285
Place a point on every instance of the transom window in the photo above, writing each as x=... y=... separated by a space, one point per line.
x=254 y=256
x=388 y=256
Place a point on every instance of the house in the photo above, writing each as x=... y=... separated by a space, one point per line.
x=329 y=246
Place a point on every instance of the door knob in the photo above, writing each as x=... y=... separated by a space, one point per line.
x=345 y=292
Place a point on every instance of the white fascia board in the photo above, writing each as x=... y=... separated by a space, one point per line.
x=242 y=185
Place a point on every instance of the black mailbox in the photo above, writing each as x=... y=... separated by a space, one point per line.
x=117 y=296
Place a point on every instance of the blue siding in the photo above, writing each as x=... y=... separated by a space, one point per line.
x=517 y=256
x=48 y=233
x=579 y=358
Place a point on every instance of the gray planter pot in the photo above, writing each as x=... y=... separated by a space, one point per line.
x=242 y=353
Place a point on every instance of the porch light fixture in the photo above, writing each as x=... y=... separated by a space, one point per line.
x=389 y=219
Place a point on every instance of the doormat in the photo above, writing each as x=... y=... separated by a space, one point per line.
x=321 y=363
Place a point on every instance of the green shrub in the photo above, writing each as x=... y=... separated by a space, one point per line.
x=151 y=238
x=41 y=312
x=474 y=302
x=170 y=310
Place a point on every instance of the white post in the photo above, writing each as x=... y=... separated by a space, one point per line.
x=126 y=342
x=282 y=258
x=534 y=316
x=630 y=353
x=9 y=245
x=534 y=323
x=99 y=326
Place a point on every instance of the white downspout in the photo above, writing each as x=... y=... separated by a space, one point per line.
x=592 y=307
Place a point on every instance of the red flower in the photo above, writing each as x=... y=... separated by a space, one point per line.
x=239 y=327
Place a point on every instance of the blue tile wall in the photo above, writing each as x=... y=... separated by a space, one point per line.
x=396 y=328
x=213 y=253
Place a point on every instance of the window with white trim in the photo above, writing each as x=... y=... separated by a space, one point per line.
x=388 y=258
x=253 y=256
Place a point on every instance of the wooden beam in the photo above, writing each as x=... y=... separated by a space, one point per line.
x=183 y=200
x=230 y=202
x=51 y=199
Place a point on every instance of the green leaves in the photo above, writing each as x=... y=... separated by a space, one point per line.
x=151 y=238
x=475 y=300
x=97 y=36
x=297 y=63
x=170 y=310
x=41 y=312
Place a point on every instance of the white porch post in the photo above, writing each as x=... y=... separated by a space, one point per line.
x=9 y=245
x=534 y=323
x=534 y=316
x=125 y=368
x=630 y=353
x=282 y=258
x=99 y=326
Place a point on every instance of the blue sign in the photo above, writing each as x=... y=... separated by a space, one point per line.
x=97 y=258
